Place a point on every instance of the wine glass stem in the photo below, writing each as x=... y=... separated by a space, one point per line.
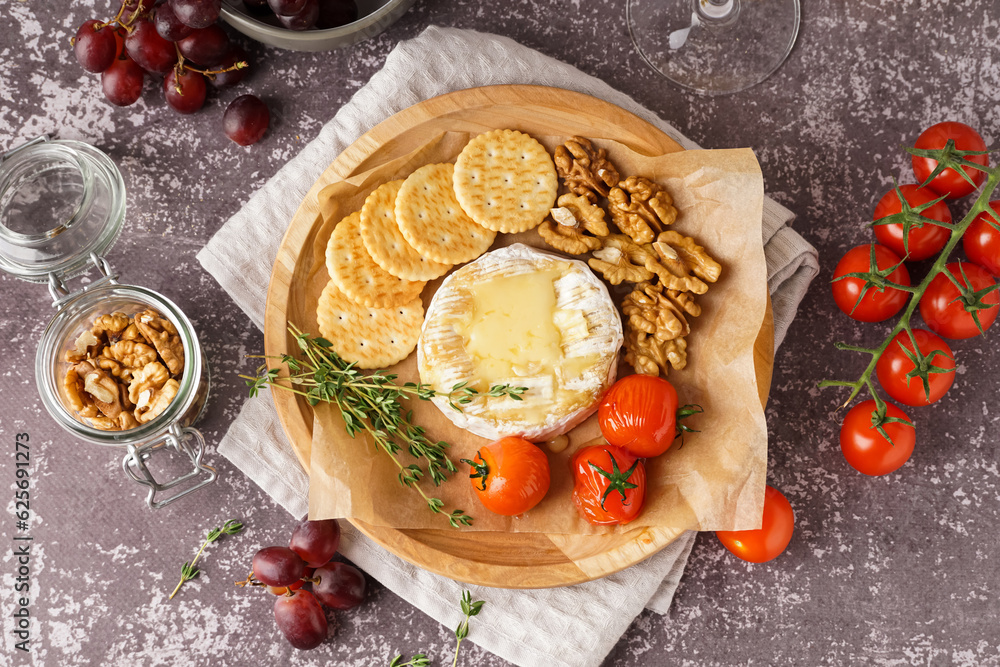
x=717 y=10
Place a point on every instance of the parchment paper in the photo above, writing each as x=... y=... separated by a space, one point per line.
x=715 y=481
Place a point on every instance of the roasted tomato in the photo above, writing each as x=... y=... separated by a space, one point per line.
x=766 y=542
x=921 y=242
x=952 y=314
x=869 y=304
x=639 y=414
x=898 y=374
x=510 y=476
x=949 y=182
x=982 y=240
x=609 y=484
x=866 y=449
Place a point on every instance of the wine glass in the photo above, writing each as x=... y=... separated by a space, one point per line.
x=714 y=47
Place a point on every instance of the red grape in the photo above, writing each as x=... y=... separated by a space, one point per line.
x=207 y=46
x=197 y=13
x=335 y=13
x=122 y=82
x=131 y=6
x=305 y=19
x=301 y=619
x=278 y=566
x=282 y=590
x=226 y=79
x=286 y=7
x=184 y=93
x=246 y=120
x=340 y=585
x=168 y=25
x=316 y=541
x=148 y=49
x=95 y=48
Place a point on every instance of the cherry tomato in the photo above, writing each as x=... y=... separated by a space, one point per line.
x=768 y=541
x=609 y=485
x=949 y=182
x=867 y=450
x=894 y=366
x=945 y=312
x=639 y=414
x=510 y=476
x=922 y=242
x=982 y=241
x=874 y=305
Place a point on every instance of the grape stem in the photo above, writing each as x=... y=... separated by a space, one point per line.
x=126 y=24
x=980 y=206
x=182 y=65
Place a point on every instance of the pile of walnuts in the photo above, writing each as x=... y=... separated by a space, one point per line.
x=124 y=370
x=667 y=268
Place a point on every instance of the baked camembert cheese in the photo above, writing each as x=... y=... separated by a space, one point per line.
x=526 y=318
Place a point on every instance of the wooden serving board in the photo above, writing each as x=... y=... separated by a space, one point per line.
x=507 y=560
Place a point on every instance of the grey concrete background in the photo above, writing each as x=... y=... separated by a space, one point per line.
x=887 y=571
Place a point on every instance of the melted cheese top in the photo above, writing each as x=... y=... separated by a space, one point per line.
x=522 y=318
x=511 y=330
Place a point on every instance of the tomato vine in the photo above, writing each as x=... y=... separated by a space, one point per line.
x=947 y=157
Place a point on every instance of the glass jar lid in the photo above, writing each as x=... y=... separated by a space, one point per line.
x=60 y=201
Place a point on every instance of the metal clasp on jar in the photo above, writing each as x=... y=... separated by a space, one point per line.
x=180 y=439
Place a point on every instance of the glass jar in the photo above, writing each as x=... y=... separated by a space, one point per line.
x=62 y=205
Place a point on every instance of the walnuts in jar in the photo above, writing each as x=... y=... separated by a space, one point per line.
x=124 y=370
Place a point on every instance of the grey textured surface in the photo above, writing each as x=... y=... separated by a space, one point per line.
x=894 y=570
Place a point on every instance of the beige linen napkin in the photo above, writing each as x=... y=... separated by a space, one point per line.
x=573 y=626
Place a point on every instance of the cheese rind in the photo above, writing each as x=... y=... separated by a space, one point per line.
x=527 y=318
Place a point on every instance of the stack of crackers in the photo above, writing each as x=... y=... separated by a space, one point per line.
x=411 y=231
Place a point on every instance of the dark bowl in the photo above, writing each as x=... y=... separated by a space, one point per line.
x=374 y=16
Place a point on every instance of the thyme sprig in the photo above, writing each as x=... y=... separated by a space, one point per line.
x=188 y=570
x=470 y=608
x=946 y=157
x=371 y=403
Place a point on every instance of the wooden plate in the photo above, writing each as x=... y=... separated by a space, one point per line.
x=507 y=560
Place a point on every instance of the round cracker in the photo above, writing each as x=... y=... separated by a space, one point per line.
x=356 y=273
x=369 y=337
x=432 y=220
x=386 y=244
x=506 y=181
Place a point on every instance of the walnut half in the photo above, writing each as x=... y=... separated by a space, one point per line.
x=161 y=333
x=574 y=216
x=152 y=402
x=658 y=312
x=585 y=170
x=641 y=208
x=650 y=356
x=682 y=257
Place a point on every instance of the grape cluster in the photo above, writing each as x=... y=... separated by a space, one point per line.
x=303 y=14
x=284 y=571
x=180 y=40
